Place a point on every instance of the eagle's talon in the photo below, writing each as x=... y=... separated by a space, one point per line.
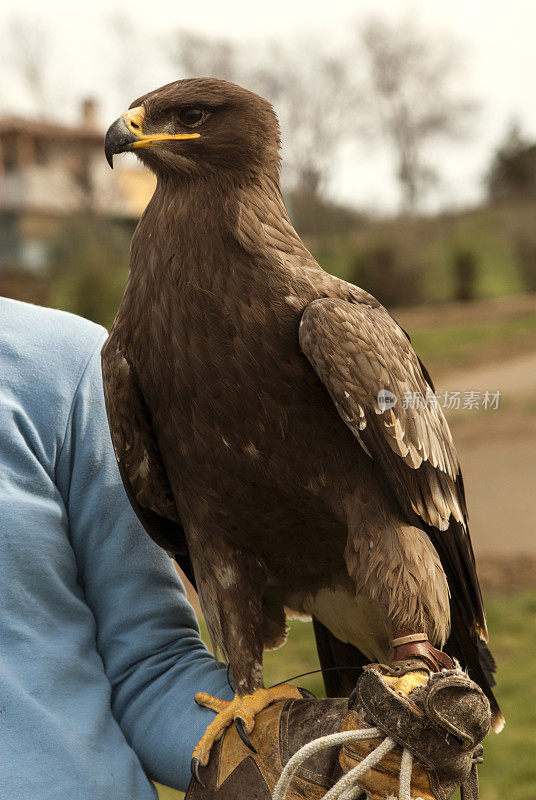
x=306 y=694
x=240 y=725
x=194 y=768
x=405 y=684
x=241 y=710
x=215 y=704
x=352 y=697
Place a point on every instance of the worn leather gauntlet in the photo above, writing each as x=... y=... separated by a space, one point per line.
x=433 y=733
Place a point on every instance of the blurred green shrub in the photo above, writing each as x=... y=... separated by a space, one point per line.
x=313 y=215
x=465 y=274
x=88 y=268
x=512 y=172
x=526 y=256
x=386 y=271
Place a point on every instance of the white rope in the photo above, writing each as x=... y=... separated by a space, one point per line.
x=348 y=781
x=313 y=747
x=406 y=765
x=347 y=787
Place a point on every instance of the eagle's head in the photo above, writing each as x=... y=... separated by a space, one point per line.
x=199 y=126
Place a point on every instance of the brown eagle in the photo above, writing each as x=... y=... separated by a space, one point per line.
x=256 y=409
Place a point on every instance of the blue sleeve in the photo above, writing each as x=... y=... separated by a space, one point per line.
x=147 y=632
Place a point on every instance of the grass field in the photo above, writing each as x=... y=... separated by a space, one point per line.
x=462 y=335
x=509 y=768
x=459 y=345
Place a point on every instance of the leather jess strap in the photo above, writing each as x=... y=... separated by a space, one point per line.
x=411 y=637
x=409 y=645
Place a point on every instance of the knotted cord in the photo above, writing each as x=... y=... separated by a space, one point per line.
x=347 y=787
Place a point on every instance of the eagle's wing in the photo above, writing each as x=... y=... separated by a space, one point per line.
x=357 y=351
x=136 y=449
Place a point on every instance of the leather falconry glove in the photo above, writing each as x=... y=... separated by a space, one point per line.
x=420 y=737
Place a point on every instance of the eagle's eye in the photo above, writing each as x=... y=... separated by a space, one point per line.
x=192 y=116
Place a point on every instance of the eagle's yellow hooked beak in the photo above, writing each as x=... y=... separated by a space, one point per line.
x=126 y=133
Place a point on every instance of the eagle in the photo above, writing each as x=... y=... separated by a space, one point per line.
x=256 y=408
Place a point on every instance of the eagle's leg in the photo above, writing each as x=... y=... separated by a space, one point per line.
x=231 y=598
x=398 y=567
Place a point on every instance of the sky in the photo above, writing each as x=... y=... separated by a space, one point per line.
x=80 y=44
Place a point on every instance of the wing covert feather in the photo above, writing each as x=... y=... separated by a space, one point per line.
x=357 y=351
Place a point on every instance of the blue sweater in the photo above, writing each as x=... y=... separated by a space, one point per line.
x=100 y=655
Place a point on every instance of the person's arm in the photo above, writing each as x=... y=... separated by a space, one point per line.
x=147 y=632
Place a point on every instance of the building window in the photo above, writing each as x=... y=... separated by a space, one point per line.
x=40 y=153
x=33 y=254
x=11 y=160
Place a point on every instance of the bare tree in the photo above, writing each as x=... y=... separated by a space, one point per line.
x=311 y=91
x=308 y=87
x=512 y=173
x=413 y=98
x=29 y=58
x=126 y=38
x=198 y=55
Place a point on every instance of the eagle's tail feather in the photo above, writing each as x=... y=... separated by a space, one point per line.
x=341 y=663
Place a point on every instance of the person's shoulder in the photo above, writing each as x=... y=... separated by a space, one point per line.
x=28 y=318
x=48 y=333
x=44 y=352
x=44 y=356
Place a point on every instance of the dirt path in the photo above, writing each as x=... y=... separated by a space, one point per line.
x=515 y=377
x=497 y=451
x=454 y=314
